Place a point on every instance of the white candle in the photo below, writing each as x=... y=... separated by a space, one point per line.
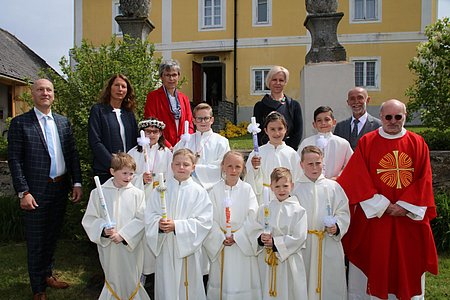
x=186 y=127
x=266 y=198
x=162 y=190
x=227 y=204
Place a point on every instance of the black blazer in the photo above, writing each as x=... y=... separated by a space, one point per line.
x=104 y=135
x=344 y=128
x=28 y=157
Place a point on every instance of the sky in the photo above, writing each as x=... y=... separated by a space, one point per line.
x=46 y=26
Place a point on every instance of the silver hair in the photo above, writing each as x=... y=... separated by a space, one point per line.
x=169 y=64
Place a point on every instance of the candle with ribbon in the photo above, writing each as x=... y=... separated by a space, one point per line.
x=227 y=205
x=186 y=137
x=109 y=224
x=254 y=129
x=162 y=190
x=329 y=220
x=266 y=198
x=143 y=141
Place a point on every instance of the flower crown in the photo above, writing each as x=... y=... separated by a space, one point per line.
x=152 y=122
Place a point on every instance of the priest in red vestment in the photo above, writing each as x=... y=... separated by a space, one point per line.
x=388 y=183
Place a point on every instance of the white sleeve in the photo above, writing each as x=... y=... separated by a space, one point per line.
x=414 y=212
x=375 y=206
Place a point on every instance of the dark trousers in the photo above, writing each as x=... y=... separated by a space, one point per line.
x=42 y=228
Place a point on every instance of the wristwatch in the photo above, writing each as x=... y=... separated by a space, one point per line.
x=23 y=194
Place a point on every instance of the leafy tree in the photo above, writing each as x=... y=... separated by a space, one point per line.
x=82 y=83
x=430 y=93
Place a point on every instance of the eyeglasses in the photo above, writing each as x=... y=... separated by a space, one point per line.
x=200 y=119
x=151 y=131
x=170 y=75
x=397 y=117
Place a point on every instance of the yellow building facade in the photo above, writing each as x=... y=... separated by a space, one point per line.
x=225 y=47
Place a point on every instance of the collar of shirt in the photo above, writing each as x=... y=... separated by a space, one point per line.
x=40 y=114
x=391 y=136
x=362 y=120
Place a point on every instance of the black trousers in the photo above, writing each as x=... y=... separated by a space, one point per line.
x=42 y=229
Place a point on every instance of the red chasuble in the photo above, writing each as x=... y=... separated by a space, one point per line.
x=393 y=252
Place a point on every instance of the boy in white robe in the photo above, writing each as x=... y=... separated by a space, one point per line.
x=177 y=239
x=208 y=147
x=234 y=273
x=271 y=155
x=328 y=219
x=280 y=237
x=336 y=150
x=120 y=248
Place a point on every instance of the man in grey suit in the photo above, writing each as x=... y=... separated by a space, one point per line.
x=360 y=123
x=44 y=166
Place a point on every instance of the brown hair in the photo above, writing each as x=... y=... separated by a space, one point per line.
x=185 y=152
x=280 y=172
x=323 y=109
x=275 y=116
x=129 y=101
x=122 y=160
x=311 y=149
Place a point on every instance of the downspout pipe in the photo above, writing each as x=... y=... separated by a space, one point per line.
x=235 y=63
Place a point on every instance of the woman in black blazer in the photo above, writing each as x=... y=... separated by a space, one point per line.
x=112 y=125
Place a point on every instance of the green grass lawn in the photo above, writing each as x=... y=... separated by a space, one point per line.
x=244 y=142
x=77 y=263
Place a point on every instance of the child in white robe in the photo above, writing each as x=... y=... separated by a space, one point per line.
x=271 y=155
x=120 y=248
x=336 y=150
x=208 y=146
x=328 y=219
x=177 y=239
x=234 y=273
x=152 y=157
x=280 y=237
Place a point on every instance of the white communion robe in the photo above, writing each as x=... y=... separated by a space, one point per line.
x=337 y=152
x=159 y=161
x=236 y=264
x=322 y=198
x=288 y=225
x=122 y=264
x=209 y=147
x=188 y=205
x=271 y=158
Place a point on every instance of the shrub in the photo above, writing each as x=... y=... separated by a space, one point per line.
x=437 y=140
x=232 y=131
x=441 y=224
x=11 y=224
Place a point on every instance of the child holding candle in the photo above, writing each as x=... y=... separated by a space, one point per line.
x=234 y=204
x=152 y=157
x=336 y=150
x=208 y=147
x=177 y=241
x=328 y=219
x=280 y=259
x=271 y=155
x=121 y=248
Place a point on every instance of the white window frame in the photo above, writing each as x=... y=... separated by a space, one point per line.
x=264 y=69
x=255 y=14
x=115 y=12
x=201 y=19
x=365 y=59
x=378 y=7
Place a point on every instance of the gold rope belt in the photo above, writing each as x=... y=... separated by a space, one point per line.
x=272 y=260
x=320 y=235
x=116 y=296
x=186 y=281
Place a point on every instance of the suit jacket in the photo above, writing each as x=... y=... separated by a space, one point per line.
x=344 y=128
x=157 y=106
x=28 y=157
x=104 y=134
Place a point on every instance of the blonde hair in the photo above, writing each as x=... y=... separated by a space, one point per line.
x=238 y=154
x=185 y=152
x=122 y=160
x=276 y=70
x=280 y=172
x=311 y=149
x=201 y=106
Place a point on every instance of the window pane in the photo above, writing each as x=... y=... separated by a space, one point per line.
x=258 y=81
x=208 y=21
x=359 y=9
x=217 y=2
x=370 y=73
x=208 y=11
x=266 y=88
x=208 y=3
x=262 y=12
x=217 y=11
x=371 y=9
x=359 y=73
x=217 y=20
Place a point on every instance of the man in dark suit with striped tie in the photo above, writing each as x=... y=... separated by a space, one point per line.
x=361 y=122
x=45 y=167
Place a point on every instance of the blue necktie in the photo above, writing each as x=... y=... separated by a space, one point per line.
x=50 y=145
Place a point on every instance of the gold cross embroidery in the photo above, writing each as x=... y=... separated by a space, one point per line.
x=397 y=169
